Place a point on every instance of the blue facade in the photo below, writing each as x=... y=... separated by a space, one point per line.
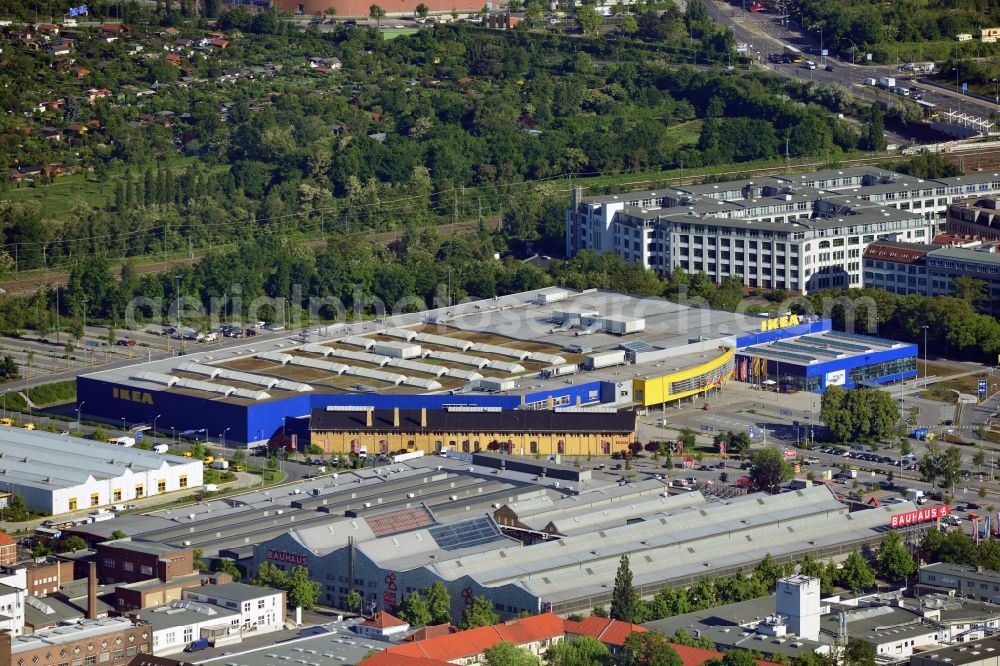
x=258 y=422
x=764 y=337
x=840 y=371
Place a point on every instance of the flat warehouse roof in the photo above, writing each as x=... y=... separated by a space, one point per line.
x=46 y=460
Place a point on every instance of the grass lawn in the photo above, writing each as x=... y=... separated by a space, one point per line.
x=685 y=134
x=393 y=33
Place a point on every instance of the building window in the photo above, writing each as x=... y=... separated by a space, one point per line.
x=95 y=499
x=116 y=495
x=161 y=486
x=72 y=504
x=533 y=447
x=183 y=481
x=145 y=570
x=128 y=566
x=140 y=490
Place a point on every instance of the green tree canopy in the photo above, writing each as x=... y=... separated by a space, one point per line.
x=624 y=600
x=439 y=603
x=579 y=651
x=894 y=560
x=414 y=610
x=478 y=614
x=648 y=649
x=505 y=654
x=768 y=469
x=856 y=574
x=302 y=592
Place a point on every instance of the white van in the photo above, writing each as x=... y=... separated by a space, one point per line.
x=161 y=448
x=211 y=336
x=809 y=64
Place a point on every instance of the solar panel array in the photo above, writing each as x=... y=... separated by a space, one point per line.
x=404 y=520
x=635 y=346
x=465 y=533
x=867 y=339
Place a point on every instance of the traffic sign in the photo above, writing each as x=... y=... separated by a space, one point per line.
x=138 y=436
x=982 y=388
x=825 y=52
x=965 y=87
x=750 y=431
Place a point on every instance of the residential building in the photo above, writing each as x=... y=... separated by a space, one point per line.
x=261 y=609
x=382 y=626
x=974 y=217
x=799 y=232
x=128 y=561
x=947 y=264
x=900 y=268
x=8 y=550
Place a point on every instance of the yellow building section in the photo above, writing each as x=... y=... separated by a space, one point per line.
x=571 y=444
x=649 y=391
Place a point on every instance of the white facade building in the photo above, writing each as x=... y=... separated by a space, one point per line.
x=181 y=622
x=799 y=232
x=261 y=609
x=59 y=474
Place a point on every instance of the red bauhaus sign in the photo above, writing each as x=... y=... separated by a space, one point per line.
x=288 y=558
x=920 y=515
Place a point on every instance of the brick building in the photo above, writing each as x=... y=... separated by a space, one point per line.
x=44 y=578
x=8 y=550
x=111 y=641
x=127 y=561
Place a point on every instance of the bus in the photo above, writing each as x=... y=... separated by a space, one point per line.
x=792 y=54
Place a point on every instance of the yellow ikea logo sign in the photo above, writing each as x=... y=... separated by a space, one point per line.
x=144 y=397
x=779 y=322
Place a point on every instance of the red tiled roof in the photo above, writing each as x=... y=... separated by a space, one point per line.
x=382 y=620
x=5 y=539
x=474 y=641
x=387 y=658
x=530 y=629
x=604 y=629
x=895 y=252
x=432 y=631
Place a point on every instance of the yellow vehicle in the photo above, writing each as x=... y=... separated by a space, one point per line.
x=209 y=460
x=7 y=422
x=28 y=426
x=186 y=454
x=237 y=468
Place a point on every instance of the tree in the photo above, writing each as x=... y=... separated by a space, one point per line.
x=859 y=652
x=738 y=658
x=950 y=467
x=856 y=574
x=648 y=649
x=353 y=601
x=580 y=651
x=687 y=438
x=268 y=575
x=196 y=559
x=894 y=560
x=859 y=414
x=414 y=610
x=8 y=368
x=376 y=13
x=588 y=18
x=624 y=600
x=224 y=565
x=768 y=468
x=17 y=504
x=302 y=592
x=875 y=129
x=439 y=603
x=478 y=614
x=70 y=544
x=970 y=289
x=422 y=10
x=505 y=654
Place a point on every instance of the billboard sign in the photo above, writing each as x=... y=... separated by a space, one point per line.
x=288 y=558
x=836 y=378
x=920 y=516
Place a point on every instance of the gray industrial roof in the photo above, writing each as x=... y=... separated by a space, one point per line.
x=183 y=612
x=336 y=644
x=965 y=254
x=971 y=652
x=722 y=625
x=234 y=591
x=685 y=544
x=69 y=633
x=49 y=461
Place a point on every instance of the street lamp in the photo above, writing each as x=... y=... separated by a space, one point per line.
x=154 y=426
x=224 y=437
x=78 y=409
x=123 y=424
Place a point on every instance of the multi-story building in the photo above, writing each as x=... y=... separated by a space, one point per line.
x=974 y=217
x=969 y=582
x=800 y=232
x=897 y=267
x=127 y=561
x=947 y=264
x=261 y=609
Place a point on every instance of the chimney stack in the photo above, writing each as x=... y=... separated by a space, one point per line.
x=395 y=417
x=423 y=417
x=92 y=591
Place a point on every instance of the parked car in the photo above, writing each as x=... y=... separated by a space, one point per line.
x=125 y=342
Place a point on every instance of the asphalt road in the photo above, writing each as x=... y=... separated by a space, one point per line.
x=766 y=34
